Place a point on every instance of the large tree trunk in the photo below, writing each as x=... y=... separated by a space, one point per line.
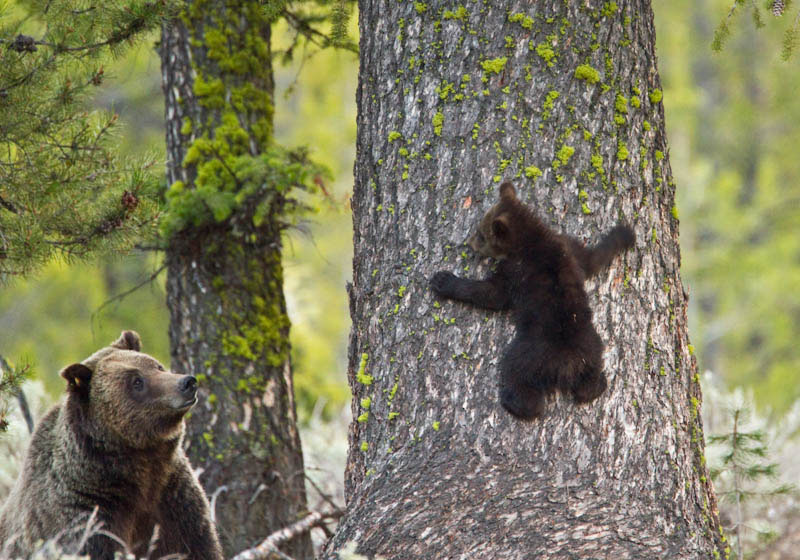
x=453 y=99
x=228 y=321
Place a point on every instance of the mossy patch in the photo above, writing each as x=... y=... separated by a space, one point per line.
x=438 y=122
x=533 y=172
x=563 y=155
x=621 y=104
x=546 y=53
x=361 y=374
x=525 y=21
x=494 y=65
x=609 y=9
x=587 y=73
x=459 y=13
x=597 y=163
x=656 y=96
x=622 y=151
x=549 y=103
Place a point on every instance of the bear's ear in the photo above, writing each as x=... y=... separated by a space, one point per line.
x=78 y=377
x=508 y=192
x=500 y=227
x=128 y=340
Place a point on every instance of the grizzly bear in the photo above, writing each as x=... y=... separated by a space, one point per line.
x=539 y=277
x=111 y=452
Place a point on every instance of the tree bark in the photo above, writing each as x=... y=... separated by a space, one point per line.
x=228 y=321
x=452 y=100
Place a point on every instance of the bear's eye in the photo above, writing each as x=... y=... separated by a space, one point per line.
x=137 y=384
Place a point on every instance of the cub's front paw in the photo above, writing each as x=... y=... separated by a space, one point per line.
x=444 y=283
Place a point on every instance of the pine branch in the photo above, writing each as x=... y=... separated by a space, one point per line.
x=25 y=43
x=338 y=37
x=790 y=39
x=10 y=384
x=63 y=187
x=8 y=206
x=723 y=31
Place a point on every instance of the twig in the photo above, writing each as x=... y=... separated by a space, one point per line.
x=25 y=409
x=92 y=527
x=126 y=293
x=304 y=28
x=269 y=547
x=151 y=548
x=326 y=497
x=213 y=504
x=261 y=488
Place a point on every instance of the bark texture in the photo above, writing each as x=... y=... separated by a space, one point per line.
x=228 y=321
x=564 y=99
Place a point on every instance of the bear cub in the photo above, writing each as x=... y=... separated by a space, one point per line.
x=112 y=446
x=539 y=277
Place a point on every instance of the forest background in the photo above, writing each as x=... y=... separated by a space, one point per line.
x=733 y=135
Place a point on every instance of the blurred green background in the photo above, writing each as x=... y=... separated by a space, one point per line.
x=733 y=133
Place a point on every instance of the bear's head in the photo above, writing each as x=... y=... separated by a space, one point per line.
x=128 y=398
x=496 y=234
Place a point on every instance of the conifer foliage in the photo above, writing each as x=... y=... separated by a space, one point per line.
x=64 y=189
x=778 y=9
x=744 y=474
x=10 y=380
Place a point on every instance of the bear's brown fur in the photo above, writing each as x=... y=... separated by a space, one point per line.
x=539 y=276
x=114 y=444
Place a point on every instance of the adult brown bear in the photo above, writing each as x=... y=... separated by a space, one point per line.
x=114 y=444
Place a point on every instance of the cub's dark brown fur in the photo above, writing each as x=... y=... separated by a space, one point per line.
x=540 y=277
x=114 y=444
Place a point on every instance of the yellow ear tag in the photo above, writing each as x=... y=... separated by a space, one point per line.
x=77 y=381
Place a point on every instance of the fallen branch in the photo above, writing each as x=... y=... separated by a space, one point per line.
x=268 y=549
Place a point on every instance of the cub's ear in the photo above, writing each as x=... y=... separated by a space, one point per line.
x=128 y=340
x=78 y=377
x=500 y=227
x=508 y=192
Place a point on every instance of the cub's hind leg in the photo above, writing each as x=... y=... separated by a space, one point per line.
x=526 y=403
x=589 y=384
x=523 y=384
x=587 y=381
x=578 y=365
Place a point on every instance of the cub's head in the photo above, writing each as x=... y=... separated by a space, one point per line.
x=128 y=397
x=496 y=236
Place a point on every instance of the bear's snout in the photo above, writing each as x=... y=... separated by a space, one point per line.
x=188 y=385
x=181 y=393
